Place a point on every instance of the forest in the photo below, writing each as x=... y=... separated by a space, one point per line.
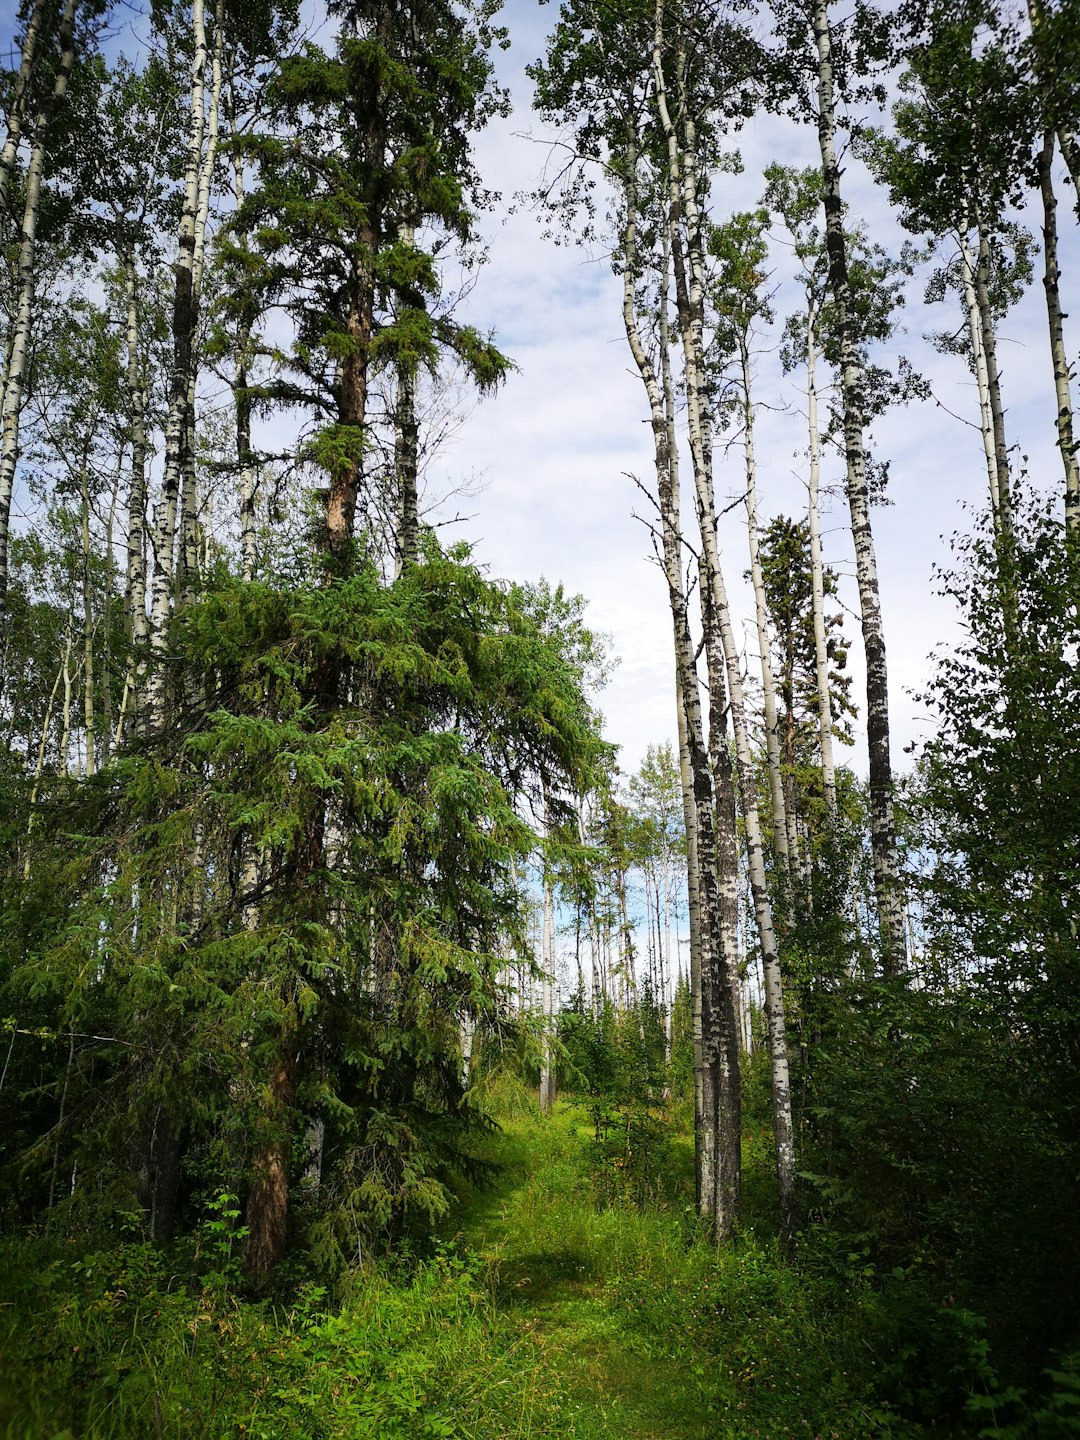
x=382 y=1053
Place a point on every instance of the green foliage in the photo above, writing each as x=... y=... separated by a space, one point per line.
x=278 y=916
x=614 y=1065
x=112 y=1347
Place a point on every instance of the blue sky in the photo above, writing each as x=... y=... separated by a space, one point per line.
x=553 y=446
x=545 y=462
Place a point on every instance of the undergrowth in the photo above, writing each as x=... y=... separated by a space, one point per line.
x=558 y=1303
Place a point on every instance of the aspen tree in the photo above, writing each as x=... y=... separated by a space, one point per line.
x=1051 y=50
x=740 y=251
x=1064 y=420
x=17 y=348
x=796 y=197
x=716 y=1082
x=187 y=552
x=34 y=35
x=955 y=168
x=184 y=320
x=686 y=223
x=853 y=395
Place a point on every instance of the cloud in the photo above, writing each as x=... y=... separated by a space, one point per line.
x=555 y=444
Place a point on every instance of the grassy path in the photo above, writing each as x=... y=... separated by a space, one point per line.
x=556 y=1276
x=637 y=1330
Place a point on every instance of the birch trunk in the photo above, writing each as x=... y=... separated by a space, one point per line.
x=189 y=500
x=17 y=103
x=716 y=1209
x=1058 y=357
x=107 y=619
x=88 y=624
x=19 y=344
x=65 y=731
x=1063 y=126
x=1003 y=514
x=817 y=580
x=727 y=985
x=135 y=581
x=761 y=615
x=882 y=820
x=245 y=460
x=687 y=255
x=183 y=332
x=982 y=378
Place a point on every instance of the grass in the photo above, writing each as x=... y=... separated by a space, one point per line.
x=651 y=1332
x=553 y=1306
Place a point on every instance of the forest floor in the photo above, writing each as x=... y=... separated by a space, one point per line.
x=571 y=1298
x=542 y=1254
x=643 y=1330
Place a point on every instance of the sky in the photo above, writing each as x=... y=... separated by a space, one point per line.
x=546 y=463
x=552 y=452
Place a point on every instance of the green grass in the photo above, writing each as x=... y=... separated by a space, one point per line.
x=547 y=1309
x=650 y=1331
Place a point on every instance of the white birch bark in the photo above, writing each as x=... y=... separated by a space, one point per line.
x=882 y=820
x=248 y=473
x=1056 y=323
x=88 y=624
x=17 y=103
x=714 y=1206
x=688 y=264
x=19 y=344
x=135 y=579
x=1063 y=125
x=982 y=379
x=761 y=616
x=165 y=520
x=817 y=577
x=65 y=731
x=1003 y=513
x=189 y=500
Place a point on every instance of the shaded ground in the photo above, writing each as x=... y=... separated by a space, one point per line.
x=567 y=1303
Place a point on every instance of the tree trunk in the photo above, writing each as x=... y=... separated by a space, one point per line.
x=405 y=465
x=185 y=304
x=245 y=460
x=19 y=344
x=547 y=1064
x=717 y=1091
x=1003 y=514
x=88 y=624
x=135 y=580
x=761 y=615
x=882 y=821
x=688 y=258
x=982 y=377
x=188 y=566
x=16 y=109
x=817 y=580
x=268 y=1198
x=1058 y=356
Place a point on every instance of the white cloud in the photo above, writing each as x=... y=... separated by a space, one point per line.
x=554 y=444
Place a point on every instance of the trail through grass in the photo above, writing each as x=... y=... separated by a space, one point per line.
x=644 y=1331
x=551 y=1308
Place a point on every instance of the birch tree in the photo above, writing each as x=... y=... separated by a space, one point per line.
x=44 y=99
x=739 y=251
x=820 y=62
